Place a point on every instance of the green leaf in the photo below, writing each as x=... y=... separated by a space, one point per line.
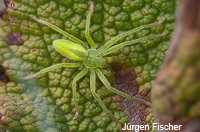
x=45 y=103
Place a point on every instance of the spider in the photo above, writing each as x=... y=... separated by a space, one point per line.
x=92 y=59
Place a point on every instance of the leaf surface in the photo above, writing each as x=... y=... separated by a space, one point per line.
x=45 y=103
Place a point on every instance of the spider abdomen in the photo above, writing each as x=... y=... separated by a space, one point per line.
x=94 y=59
x=70 y=49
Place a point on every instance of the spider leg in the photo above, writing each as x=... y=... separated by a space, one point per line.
x=115 y=39
x=107 y=84
x=52 y=68
x=121 y=45
x=87 y=34
x=76 y=78
x=93 y=89
x=71 y=37
x=105 y=72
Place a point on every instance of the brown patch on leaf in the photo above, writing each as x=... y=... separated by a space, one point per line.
x=15 y=39
x=2 y=12
x=33 y=50
x=117 y=66
x=126 y=82
x=119 y=100
x=3 y=77
x=6 y=2
x=14 y=20
x=12 y=4
x=9 y=4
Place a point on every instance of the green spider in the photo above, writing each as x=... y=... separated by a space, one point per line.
x=93 y=59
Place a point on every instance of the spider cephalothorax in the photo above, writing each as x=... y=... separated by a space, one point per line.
x=93 y=59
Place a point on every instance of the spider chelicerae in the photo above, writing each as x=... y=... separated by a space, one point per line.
x=93 y=59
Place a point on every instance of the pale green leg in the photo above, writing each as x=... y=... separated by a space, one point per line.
x=107 y=84
x=121 y=45
x=105 y=72
x=76 y=78
x=115 y=39
x=71 y=37
x=93 y=89
x=87 y=27
x=52 y=68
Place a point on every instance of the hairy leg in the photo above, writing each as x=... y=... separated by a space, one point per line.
x=52 y=68
x=93 y=89
x=121 y=45
x=71 y=37
x=115 y=39
x=76 y=78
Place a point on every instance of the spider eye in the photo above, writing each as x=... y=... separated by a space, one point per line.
x=70 y=49
x=103 y=63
